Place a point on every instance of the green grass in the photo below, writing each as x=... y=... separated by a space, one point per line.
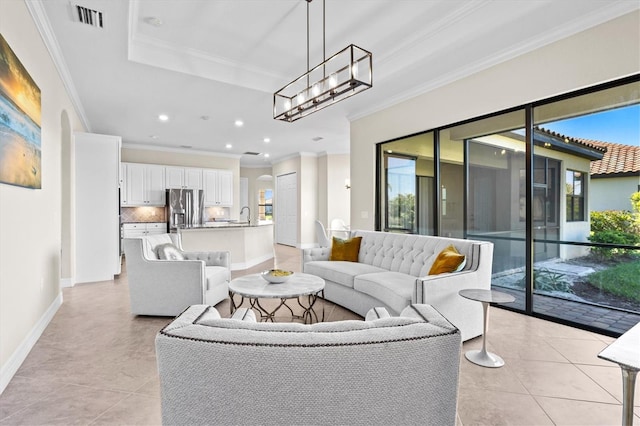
x=621 y=280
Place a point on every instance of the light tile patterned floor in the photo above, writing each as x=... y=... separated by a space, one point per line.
x=95 y=364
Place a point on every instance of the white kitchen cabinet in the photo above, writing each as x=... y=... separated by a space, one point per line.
x=218 y=187
x=145 y=185
x=183 y=177
x=174 y=177
x=192 y=178
x=137 y=230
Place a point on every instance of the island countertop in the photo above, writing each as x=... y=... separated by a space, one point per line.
x=248 y=245
x=224 y=225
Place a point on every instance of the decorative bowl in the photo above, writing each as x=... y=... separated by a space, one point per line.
x=276 y=276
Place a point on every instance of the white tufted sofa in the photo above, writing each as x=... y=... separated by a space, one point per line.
x=389 y=371
x=392 y=271
x=168 y=287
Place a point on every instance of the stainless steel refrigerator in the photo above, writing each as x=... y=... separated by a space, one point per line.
x=185 y=208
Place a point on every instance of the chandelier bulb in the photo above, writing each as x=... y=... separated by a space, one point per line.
x=300 y=98
x=354 y=70
x=315 y=90
x=333 y=79
x=287 y=105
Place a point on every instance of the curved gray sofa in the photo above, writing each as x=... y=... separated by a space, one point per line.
x=389 y=371
x=392 y=271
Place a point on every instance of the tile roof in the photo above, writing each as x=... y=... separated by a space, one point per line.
x=569 y=139
x=618 y=160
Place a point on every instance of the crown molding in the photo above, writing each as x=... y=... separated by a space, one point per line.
x=129 y=145
x=39 y=15
x=608 y=12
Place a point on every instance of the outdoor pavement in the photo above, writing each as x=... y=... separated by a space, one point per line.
x=608 y=319
x=567 y=306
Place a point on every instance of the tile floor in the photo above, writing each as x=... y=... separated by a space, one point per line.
x=95 y=364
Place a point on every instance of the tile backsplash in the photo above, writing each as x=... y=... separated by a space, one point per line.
x=157 y=214
x=142 y=214
x=213 y=213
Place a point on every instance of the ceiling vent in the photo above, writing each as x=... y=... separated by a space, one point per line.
x=251 y=153
x=317 y=138
x=89 y=16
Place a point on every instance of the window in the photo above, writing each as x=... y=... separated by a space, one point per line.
x=265 y=204
x=408 y=176
x=401 y=193
x=575 y=196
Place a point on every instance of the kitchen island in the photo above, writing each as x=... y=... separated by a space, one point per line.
x=249 y=245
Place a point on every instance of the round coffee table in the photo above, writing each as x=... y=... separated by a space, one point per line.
x=304 y=288
x=483 y=357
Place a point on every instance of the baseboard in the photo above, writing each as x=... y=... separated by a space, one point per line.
x=66 y=282
x=246 y=265
x=10 y=368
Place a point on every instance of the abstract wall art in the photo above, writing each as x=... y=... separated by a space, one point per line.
x=20 y=121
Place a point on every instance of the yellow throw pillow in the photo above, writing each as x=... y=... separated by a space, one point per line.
x=447 y=261
x=345 y=249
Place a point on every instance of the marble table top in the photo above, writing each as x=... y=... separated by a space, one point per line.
x=255 y=286
x=625 y=350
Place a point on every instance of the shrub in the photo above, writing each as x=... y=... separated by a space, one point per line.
x=546 y=280
x=635 y=202
x=616 y=238
x=614 y=220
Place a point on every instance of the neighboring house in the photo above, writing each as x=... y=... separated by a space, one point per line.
x=615 y=177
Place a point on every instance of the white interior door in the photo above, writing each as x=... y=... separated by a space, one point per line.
x=286 y=209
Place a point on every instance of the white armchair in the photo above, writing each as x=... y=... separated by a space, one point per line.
x=166 y=285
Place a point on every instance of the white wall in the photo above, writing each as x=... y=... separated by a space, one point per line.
x=338 y=197
x=612 y=193
x=600 y=54
x=308 y=196
x=334 y=200
x=30 y=220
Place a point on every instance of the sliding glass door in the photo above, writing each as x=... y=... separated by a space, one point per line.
x=554 y=185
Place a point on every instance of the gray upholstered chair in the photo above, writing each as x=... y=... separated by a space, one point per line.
x=164 y=280
x=385 y=370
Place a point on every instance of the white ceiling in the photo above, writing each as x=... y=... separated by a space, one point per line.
x=223 y=59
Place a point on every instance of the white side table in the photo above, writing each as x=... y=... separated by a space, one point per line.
x=483 y=357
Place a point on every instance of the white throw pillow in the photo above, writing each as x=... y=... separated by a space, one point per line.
x=168 y=252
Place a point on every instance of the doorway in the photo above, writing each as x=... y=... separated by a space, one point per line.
x=286 y=213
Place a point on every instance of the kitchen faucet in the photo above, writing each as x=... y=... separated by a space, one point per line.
x=248 y=215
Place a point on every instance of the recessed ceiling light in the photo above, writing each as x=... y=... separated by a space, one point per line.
x=154 y=21
x=266 y=155
x=267 y=140
x=228 y=146
x=163 y=117
x=239 y=123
